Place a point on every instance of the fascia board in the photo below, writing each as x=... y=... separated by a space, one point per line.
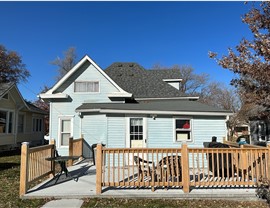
x=170 y=98
x=79 y=64
x=21 y=97
x=57 y=95
x=120 y=95
x=157 y=112
x=172 y=80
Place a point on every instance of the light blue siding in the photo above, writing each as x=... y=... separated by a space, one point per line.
x=116 y=131
x=94 y=129
x=111 y=130
x=206 y=127
x=161 y=131
x=87 y=72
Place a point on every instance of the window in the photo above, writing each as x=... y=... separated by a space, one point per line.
x=5 y=96
x=37 y=125
x=65 y=132
x=21 y=123
x=182 y=130
x=136 y=129
x=86 y=86
x=6 y=122
x=10 y=122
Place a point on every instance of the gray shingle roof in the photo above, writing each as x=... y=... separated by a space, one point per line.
x=142 y=83
x=5 y=87
x=171 y=105
x=34 y=108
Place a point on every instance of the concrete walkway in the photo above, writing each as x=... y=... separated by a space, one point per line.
x=67 y=203
x=84 y=187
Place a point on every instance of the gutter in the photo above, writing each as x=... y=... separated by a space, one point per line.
x=171 y=98
x=98 y=110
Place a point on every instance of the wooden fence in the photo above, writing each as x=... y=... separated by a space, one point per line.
x=75 y=148
x=33 y=164
x=181 y=167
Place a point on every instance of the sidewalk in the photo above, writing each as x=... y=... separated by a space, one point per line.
x=67 y=203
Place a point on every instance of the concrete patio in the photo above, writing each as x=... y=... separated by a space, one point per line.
x=84 y=186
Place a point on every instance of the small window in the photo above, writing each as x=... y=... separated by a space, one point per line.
x=6 y=122
x=5 y=96
x=21 y=123
x=86 y=86
x=183 y=130
x=37 y=125
x=65 y=132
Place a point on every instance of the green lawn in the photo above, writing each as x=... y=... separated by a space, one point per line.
x=9 y=197
x=10 y=182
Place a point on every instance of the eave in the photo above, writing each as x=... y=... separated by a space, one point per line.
x=194 y=113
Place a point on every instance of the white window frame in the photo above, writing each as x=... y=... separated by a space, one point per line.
x=145 y=129
x=182 y=129
x=8 y=111
x=86 y=92
x=60 y=118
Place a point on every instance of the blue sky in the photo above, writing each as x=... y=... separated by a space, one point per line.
x=148 y=33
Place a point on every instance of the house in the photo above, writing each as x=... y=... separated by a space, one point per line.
x=128 y=106
x=20 y=121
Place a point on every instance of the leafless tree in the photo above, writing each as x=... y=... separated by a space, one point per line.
x=218 y=95
x=191 y=83
x=66 y=63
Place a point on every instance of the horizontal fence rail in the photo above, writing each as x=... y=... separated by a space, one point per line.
x=228 y=166
x=33 y=164
x=181 y=167
x=141 y=167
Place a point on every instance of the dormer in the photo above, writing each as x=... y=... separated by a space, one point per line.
x=174 y=82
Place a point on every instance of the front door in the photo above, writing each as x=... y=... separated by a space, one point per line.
x=137 y=133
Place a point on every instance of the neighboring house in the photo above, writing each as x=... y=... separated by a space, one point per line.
x=128 y=106
x=20 y=121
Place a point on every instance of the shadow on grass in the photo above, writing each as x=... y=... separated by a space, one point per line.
x=10 y=153
x=5 y=166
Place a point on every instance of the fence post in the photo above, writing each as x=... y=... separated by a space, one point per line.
x=268 y=161
x=70 y=162
x=81 y=155
x=24 y=168
x=99 y=164
x=52 y=142
x=185 y=168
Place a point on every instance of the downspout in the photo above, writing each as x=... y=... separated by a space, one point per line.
x=50 y=125
x=80 y=128
x=226 y=124
x=16 y=120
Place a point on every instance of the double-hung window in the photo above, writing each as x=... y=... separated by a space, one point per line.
x=183 y=129
x=6 y=122
x=37 y=125
x=88 y=86
x=65 y=130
